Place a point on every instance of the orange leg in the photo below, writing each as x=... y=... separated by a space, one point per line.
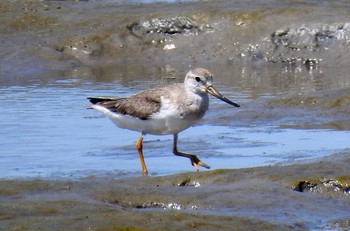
x=194 y=159
x=139 y=150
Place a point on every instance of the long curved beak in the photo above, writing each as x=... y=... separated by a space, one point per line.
x=211 y=90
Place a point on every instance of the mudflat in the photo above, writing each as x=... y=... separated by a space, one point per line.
x=302 y=196
x=61 y=168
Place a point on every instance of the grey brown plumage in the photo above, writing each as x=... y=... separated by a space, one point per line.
x=165 y=110
x=141 y=105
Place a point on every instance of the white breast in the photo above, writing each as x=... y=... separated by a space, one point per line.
x=172 y=118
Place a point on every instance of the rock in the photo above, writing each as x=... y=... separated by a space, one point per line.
x=311 y=37
x=301 y=46
x=323 y=185
x=169 y=47
x=175 y=25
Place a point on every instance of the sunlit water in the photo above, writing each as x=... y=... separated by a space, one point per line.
x=46 y=131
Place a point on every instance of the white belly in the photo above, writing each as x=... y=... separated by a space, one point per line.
x=162 y=123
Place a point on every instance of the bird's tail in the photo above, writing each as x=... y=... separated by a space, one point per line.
x=95 y=100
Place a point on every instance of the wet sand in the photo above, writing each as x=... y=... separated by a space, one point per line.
x=286 y=71
x=302 y=196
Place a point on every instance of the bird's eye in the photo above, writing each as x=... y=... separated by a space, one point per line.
x=197 y=79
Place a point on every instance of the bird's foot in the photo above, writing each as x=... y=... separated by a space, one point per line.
x=198 y=163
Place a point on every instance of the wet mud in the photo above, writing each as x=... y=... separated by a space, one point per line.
x=303 y=196
x=287 y=71
x=326 y=109
x=62 y=35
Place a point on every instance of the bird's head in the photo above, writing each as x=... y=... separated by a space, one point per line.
x=200 y=80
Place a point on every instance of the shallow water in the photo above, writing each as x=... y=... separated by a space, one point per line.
x=284 y=72
x=48 y=132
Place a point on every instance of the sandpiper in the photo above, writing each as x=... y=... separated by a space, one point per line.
x=165 y=110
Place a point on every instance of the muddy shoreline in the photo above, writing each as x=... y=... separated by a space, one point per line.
x=61 y=36
x=301 y=196
x=286 y=71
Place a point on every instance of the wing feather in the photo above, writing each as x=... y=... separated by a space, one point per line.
x=141 y=105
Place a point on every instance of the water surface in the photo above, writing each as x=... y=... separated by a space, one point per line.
x=48 y=132
x=290 y=76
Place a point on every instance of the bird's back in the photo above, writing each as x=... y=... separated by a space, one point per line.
x=164 y=110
